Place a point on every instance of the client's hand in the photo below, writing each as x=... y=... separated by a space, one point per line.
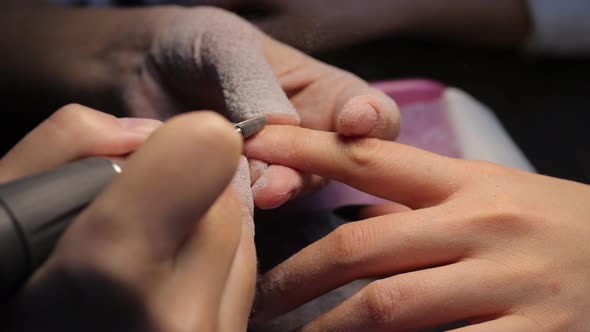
x=166 y=246
x=205 y=57
x=502 y=249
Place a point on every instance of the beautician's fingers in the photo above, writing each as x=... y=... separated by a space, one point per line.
x=273 y=185
x=507 y=324
x=418 y=178
x=199 y=271
x=169 y=225
x=170 y=183
x=358 y=110
x=238 y=295
x=73 y=132
x=401 y=303
x=239 y=291
x=380 y=246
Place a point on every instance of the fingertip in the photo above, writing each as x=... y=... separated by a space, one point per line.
x=209 y=130
x=371 y=115
x=357 y=119
x=276 y=186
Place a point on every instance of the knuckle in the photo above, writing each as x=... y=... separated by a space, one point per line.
x=362 y=152
x=81 y=119
x=503 y=218
x=383 y=299
x=69 y=115
x=346 y=245
x=73 y=124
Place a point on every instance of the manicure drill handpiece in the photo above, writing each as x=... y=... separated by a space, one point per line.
x=250 y=127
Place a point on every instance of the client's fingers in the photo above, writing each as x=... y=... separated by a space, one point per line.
x=273 y=185
x=416 y=178
x=421 y=299
x=277 y=185
x=367 y=112
x=330 y=99
x=71 y=133
x=380 y=246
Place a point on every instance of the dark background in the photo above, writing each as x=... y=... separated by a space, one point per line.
x=544 y=103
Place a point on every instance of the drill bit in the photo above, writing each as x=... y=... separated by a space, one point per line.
x=250 y=127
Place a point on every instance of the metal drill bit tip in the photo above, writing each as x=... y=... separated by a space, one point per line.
x=250 y=127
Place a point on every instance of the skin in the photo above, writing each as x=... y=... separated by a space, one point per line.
x=160 y=61
x=163 y=248
x=500 y=248
x=320 y=25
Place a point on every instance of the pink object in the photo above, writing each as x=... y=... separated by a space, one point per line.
x=406 y=92
x=425 y=121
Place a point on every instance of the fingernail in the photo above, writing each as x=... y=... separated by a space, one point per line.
x=257 y=168
x=359 y=121
x=140 y=125
x=267 y=199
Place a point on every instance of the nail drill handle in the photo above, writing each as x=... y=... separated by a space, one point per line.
x=36 y=210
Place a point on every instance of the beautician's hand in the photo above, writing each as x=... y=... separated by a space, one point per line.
x=160 y=61
x=74 y=132
x=500 y=248
x=166 y=247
